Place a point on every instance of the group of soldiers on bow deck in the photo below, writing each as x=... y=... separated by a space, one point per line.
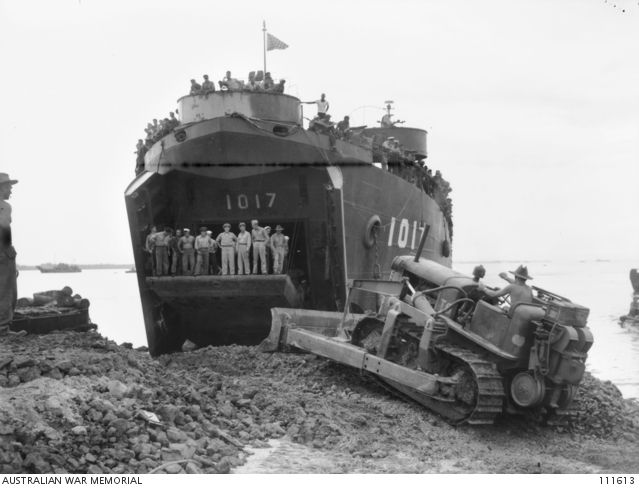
x=181 y=253
x=258 y=81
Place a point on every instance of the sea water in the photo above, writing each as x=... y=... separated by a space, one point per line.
x=602 y=286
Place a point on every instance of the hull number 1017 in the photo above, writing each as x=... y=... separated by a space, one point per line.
x=243 y=201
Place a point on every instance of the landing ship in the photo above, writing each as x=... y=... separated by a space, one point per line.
x=238 y=155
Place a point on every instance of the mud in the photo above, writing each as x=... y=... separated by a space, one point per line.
x=77 y=402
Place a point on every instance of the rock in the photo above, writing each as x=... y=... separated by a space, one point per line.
x=28 y=374
x=214 y=446
x=13 y=380
x=119 y=425
x=55 y=373
x=169 y=454
x=35 y=462
x=79 y=430
x=224 y=466
x=74 y=372
x=191 y=468
x=117 y=388
x=126 y=345
x=102 y=405
x=5 y=362
x=226 y=410
x=275 y=429
x=173 y=469
x=63 y=366
x=168 y=413
x=186 y=451
x=23 y=362
x=143 y=451
x=53 y=405
x=93 y=469
x=108 y=418
x=94 y=415
x=176 y=435
x=160 y=437
x=188 y=346
x=90 y=458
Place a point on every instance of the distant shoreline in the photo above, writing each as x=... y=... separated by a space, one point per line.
x=28 y=267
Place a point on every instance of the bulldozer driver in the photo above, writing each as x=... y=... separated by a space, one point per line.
x=517 y=288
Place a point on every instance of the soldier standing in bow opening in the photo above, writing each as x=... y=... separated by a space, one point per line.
x=161 y=248
x=149 y=247
x=8 y=271
x=202 y=244
x=243 y=246
x=186 y=245
x=214 y=268
x=227 y=240
x=279 y=245
x=259 y=238
x=174 y=253
x=269 y=251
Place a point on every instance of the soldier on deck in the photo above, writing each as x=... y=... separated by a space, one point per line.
x=279 y=88
x=243 y=245
x=8 y=272
x=268 y=84
x=259 y=238
x=140 y=151
x=344 y=128
x=322 y=106
x=186 y=245
x=279 y=245
x=252 y=85
x=230 y=83
x=202 y=244
x=207 y=85
x=227 y=241
x=173 y=121
x=196 y=88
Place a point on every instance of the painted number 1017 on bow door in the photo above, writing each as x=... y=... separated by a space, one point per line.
x=244 y=201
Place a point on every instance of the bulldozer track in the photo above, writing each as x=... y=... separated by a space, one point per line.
x=489 y=382
x=489 y=398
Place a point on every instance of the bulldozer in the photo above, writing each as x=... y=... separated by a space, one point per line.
x=436 y=340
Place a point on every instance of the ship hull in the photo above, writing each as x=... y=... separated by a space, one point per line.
x=344 y=221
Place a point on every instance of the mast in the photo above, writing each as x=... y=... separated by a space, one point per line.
x=264 y=42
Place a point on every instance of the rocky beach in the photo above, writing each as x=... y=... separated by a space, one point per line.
x=76 y=402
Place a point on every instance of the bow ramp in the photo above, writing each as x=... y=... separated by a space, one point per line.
x=217 y=310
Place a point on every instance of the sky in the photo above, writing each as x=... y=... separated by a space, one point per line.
x=532 y=108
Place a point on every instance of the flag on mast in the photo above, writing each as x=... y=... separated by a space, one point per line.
x=273 y=42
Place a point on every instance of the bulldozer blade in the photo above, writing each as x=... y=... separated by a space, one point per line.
x=318 y=322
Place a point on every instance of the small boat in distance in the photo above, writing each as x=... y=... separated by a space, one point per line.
x=131 y=270
x=59 y=268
